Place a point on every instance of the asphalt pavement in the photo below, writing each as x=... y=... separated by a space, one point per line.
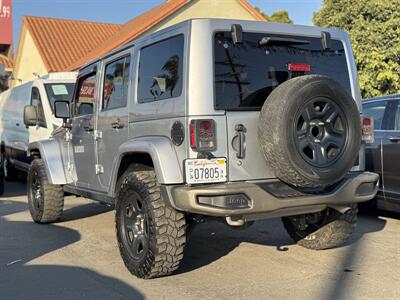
x=77 y=258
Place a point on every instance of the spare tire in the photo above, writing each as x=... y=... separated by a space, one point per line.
x=309 y=131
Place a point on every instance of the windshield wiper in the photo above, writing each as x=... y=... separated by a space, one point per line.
x=281 y=41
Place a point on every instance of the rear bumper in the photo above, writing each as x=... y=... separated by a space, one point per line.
x=271 y=198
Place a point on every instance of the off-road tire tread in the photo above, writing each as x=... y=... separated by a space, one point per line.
x=170 y=227
x=53 y=195
x=271 y=118
x=331 y=235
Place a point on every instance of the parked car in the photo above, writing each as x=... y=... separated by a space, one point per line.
x=229 y=119
x=39 y=95
x=383 y=156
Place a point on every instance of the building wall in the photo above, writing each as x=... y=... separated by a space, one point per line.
x=28 y=61
x=221 y=9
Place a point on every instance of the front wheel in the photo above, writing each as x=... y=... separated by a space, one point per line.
x=322 y=230
x=151 y=235
x=46 y=201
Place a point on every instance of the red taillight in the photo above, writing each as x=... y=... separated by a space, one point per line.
x=366 y=122
x=367 y=128
x=202 y=135
x=299 y=67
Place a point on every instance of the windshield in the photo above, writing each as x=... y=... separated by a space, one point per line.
x=246 y=73
x=59 y=92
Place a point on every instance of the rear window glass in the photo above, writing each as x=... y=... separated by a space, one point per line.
x=59 y=92
x=160 y=70
x=245 y=74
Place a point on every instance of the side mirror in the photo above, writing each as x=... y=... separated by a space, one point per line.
x=30 y=116
x=61 y=111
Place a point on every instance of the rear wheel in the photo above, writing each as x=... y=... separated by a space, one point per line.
x=46 y=201
x=151 y=235
x=322 y=230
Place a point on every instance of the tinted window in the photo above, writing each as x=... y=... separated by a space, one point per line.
x=86 y=95
x=36 y=101
x=59 y=92
x=246 y=73
x=375 y=110
x=115 y=88
x=160 y=70
x=397 y=118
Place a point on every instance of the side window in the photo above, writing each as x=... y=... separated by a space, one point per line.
x=86 y=95
x=375 y=110
x=36 y=101
x=397 y=117
x=160 y=70
x=116 y=80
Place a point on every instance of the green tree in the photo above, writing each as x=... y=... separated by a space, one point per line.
x=374 y=29
x=280 y=16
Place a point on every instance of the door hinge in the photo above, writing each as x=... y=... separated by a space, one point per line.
x=98 y=135
x=68 y=136
x=99 y=169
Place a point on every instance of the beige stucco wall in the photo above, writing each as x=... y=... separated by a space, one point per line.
x=28 y=60
x=222 y=9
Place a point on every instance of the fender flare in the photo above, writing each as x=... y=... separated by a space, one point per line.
x=50 y=153
x=166 y=163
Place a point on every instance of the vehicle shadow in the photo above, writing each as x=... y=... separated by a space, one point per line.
x=84 y=211
x=210 y=242
x=14 y=189
x=21 y=242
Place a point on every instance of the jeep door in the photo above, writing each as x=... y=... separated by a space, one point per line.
x=83 y=125
x=112 y=118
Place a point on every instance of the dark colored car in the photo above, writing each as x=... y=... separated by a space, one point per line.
x=383 y=156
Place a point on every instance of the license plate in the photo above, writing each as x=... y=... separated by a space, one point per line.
x=205 y=170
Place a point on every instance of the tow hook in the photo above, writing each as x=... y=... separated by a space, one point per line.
x=238 y=222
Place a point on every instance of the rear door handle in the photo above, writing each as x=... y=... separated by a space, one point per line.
x=117 y=124
x=394 y=139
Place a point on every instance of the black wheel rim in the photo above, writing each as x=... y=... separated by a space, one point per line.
x=320 y=132
x=135 y=230
x=36 y=191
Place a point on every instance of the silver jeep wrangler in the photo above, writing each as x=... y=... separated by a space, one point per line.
x=226 y=119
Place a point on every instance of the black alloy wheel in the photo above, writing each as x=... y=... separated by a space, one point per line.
x=321 y=132
x=36 y=192
x=135 y=226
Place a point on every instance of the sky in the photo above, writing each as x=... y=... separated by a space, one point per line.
x=120 y=11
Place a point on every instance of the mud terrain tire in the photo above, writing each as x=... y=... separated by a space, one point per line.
x=151 y=235
x=46 y=201
x=332 y=230
x=309 y=131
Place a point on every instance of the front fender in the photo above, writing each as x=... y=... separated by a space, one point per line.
x=52 y=158
x=165 y=161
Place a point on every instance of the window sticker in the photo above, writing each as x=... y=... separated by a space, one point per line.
x=59 y=89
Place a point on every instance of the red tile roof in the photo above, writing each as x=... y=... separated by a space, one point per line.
x=137 y=26
x=252 y=10
x=62 y=42
x=132 y=29
x=7 y=62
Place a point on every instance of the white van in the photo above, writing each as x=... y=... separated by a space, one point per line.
x=15 y=136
